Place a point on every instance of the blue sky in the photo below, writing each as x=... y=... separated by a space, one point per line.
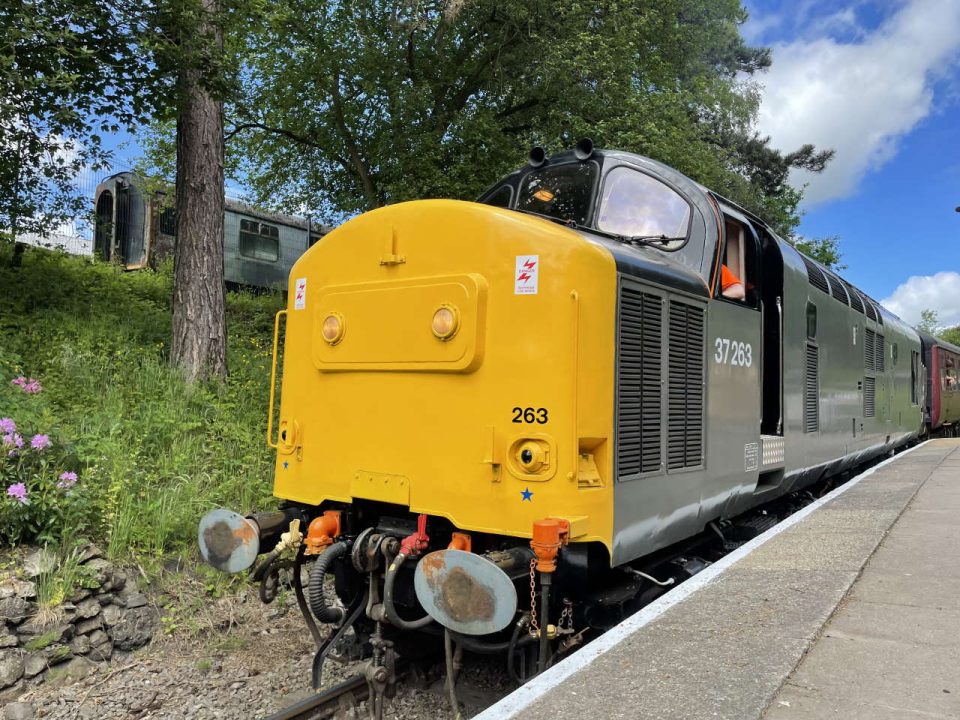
x=879 y=82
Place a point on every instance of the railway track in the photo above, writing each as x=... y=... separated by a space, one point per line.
x=343 y=696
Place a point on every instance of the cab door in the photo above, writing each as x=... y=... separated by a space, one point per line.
x=734 y=371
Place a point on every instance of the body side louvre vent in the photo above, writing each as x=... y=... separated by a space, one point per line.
x=639 y=390
x=869 y=352
x=856 y=302
x=869 y=397
x=837 y=289
x=811 y=390
x=685 y=386
x=871 y=311
x=880 y=350
x=815 y=275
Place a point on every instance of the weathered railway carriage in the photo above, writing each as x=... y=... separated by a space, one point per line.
x=942 y=402
x=554 y=374
x=136 y=227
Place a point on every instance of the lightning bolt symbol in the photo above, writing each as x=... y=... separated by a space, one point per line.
x=529 y=264
x=523 y=276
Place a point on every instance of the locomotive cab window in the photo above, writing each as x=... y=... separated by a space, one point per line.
x=562 y=191
x=259 y=241
x=499 y=198
x=738 y=281
x=634 y=204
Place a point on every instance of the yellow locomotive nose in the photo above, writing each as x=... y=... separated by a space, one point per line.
x=446 y=358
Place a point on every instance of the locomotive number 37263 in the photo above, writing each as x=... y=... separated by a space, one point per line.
x=733 y=352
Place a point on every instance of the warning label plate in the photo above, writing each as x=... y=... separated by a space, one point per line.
x=300 y=298
x=527 y=275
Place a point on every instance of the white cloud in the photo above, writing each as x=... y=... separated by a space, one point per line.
x=859 y=97
x=940 y=292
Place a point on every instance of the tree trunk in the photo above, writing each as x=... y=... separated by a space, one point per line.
x=199 y=344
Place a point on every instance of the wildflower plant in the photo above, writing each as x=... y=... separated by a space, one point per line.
x=41 y=499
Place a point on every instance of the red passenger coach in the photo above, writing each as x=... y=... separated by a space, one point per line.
x=942 y=407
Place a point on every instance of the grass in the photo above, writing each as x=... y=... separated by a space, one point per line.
x=155 y=453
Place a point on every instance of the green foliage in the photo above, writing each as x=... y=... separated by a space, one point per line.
x=825 y=251
x=65 y=577
x=153 y=452
x=348 y=106
x=928 y=321
x=951 y=335
x=71 y=72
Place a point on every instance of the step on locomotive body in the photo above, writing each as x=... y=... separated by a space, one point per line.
x=499 y=418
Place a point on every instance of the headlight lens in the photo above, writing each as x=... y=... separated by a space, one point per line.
x=332 y=328
x=446 y=322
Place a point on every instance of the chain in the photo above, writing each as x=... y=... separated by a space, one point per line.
x=534 y=627
x=566 y=617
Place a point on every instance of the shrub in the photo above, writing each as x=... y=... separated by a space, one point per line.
x=41 y=497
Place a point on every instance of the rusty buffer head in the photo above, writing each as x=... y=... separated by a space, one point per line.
x=228 y=541
x=465 y=592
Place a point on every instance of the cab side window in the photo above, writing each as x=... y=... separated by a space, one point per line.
x=738 y=264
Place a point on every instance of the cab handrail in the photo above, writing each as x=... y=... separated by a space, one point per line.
x=273 y=378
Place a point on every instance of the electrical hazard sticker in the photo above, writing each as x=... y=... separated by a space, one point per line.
x=300 y=296
x=527 y=275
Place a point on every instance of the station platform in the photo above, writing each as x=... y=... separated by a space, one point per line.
x=848 y=609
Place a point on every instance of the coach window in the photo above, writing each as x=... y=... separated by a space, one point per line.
x=168 y=222
x=259 y=241
x=634 y=204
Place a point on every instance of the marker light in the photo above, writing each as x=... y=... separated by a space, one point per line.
x=332 y=328
x=446 y=322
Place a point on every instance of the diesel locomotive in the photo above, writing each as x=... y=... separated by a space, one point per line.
x=497 y=418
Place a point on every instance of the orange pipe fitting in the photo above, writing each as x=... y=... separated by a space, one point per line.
x=460 y=541
x=322 y=531
x=548 y=535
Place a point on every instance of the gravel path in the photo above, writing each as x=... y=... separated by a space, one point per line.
x=256 y=668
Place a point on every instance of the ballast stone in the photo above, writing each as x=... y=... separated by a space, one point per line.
x=18 y=711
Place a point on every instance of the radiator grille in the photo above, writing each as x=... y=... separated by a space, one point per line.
x=871 y=311
x=815 y=275
x=869 y=397
x=881 y=354
x=639 y=392
x=685 y=387
x=869 y=351
x=811 y=390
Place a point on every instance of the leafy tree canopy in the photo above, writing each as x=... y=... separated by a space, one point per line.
x=825 y=251
x=929 y=322
x=345 y=106
x=951 y=334
x=70 y=72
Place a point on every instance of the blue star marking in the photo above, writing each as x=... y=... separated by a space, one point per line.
x=285 y=464
x=526 y=494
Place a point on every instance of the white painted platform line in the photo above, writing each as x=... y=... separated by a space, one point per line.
x=524 y=696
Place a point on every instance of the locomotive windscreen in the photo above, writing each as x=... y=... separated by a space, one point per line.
x=561 y=191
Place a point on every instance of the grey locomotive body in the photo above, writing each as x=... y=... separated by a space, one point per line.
x=725 y=404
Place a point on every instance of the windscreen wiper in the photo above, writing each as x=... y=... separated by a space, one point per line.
x=648 y=240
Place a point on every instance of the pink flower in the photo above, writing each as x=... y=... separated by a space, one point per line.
x=40 y=442
x=13 y=440
x=18 y=491
x=29 y=386
x=8 y=426
x=67 y=480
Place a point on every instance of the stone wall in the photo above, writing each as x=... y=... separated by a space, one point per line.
x=63 y=644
